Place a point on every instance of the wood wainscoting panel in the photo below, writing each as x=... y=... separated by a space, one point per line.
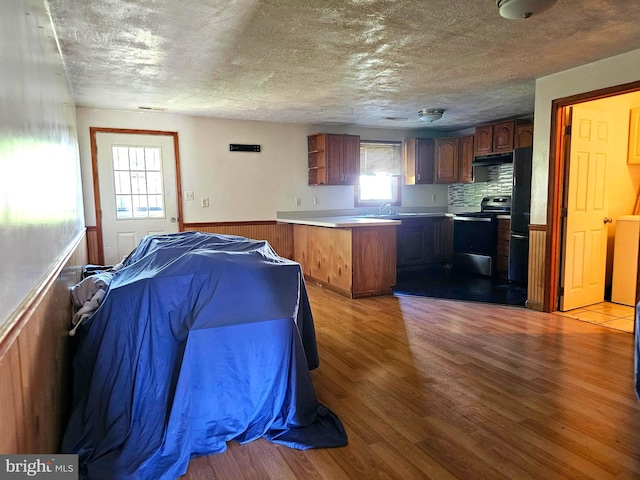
x=93 y=246
x=537 y=262
x=13 y=418
x=35 y=361
x=279 y=235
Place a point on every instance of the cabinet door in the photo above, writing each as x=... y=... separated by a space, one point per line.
x=465 y=170
x=524 y=136
x=503 y=136
x=410 y=246
x=424 y=151
x=334 y=159
x=504 y=229
x=418 y=161
x=351 y=160
x=439 y=239
x=483 y=140
x=446 y=161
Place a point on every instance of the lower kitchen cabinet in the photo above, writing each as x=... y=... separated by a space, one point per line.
x=424 y=241
x=355 y=262
x=504 y=229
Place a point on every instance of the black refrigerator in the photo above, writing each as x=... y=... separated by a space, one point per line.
x=520 y=216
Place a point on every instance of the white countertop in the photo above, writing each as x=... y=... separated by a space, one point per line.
x=342 y=222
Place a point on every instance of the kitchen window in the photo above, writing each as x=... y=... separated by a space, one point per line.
x=380 y=173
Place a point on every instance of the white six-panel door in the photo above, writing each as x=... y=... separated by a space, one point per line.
x=585 y=238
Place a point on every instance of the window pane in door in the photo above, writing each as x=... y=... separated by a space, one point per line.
x=137 y=174
x=123 y=206
x=140 y=207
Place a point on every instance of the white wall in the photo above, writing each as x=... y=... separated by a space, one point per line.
x=242 y=186
x=609 y=72
x=40 y=191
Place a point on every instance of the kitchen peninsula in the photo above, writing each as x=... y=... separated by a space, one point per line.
x=353 y=256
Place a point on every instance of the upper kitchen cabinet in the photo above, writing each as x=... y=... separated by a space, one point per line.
x=494 y=138
x=453 y=158
x=333 y=159
x=418 y=161
x=484 y=140
x=524 y=136
x=446 y=160
x=465 y=153
x=317 y=159
x=503 y=136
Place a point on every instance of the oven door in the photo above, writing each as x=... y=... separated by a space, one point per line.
x=475 y=234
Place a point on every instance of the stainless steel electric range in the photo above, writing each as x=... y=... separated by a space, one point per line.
x=475 y=236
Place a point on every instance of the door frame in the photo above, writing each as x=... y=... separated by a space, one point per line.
x=94 y=170
x=557 y=182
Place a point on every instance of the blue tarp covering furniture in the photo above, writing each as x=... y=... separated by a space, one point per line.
x=201 y=339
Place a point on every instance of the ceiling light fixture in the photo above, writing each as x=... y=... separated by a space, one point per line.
x=518 y=9
x=430 y=114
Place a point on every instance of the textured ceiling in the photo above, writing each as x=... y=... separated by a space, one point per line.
x=333 y=61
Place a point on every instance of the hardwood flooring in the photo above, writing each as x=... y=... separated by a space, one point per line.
x=445 y=389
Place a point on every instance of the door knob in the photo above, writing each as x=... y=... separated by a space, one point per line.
x=173 y=219
x=607 y=220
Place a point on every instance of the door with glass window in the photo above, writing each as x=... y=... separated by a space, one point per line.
x=138 y=190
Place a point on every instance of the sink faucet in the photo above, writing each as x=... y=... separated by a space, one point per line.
x=383 y=208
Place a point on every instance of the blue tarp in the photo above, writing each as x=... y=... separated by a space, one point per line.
x=200 y=340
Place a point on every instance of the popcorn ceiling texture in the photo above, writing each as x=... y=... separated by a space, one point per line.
x=349 y=62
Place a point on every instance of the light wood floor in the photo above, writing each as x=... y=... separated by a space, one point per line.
x=440 y=389
x=607 y=314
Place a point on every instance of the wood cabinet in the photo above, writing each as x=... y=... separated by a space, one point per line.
x=355 y=262
x=453 y=158
x=503 y=133
x=504 y=229
x=446 y=160
x=484 y=140
x=465 y=151
x=418 y=161
x=423 y=242
x=333 y=159
x=411 y=244
x=494 y=138
x=524 y=136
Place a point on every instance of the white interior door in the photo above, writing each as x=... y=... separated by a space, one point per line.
x=138 y=193
x=585 y=237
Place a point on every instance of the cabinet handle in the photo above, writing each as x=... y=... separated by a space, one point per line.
x=418 y=177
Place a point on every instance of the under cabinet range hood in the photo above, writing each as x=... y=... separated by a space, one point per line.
x=495 y=159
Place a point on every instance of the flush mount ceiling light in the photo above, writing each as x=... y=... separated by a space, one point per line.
x=518 y=9
x=430 y=114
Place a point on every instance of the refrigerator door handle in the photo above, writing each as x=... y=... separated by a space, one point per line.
x=517 y=235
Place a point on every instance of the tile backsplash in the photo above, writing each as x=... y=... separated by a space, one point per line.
x=499 y=182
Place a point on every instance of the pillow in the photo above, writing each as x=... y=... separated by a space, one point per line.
x=83 y=292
